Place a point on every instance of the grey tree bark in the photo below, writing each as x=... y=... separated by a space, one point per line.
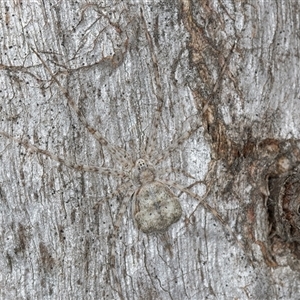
x=230 y=66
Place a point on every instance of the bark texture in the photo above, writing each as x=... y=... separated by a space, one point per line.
x=230 y=66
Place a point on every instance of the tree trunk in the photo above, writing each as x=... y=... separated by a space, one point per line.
x=205 y=95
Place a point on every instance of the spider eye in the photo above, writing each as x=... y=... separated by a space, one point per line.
x=141 y=164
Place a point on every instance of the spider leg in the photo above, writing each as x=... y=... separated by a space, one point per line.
x=151 y=142
x=117 y=153
x=202 y=202
x=152 y=139
x=113 y=243
x=175 y=143
x=77 y=167
x=124 y=186
x=160 y=172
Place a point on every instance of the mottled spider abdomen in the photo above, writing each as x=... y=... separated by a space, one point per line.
x=156 y=208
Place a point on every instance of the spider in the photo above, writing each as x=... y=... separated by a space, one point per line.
x=154 y=205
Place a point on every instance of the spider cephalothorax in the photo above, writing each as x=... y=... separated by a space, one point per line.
x=155 y=207
x=143 y=173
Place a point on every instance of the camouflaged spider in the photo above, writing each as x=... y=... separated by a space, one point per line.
x=155 y=207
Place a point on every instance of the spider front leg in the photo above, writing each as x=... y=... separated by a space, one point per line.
x=118 y=154
x=175 y=143
x=152 y=138
x=67 y=163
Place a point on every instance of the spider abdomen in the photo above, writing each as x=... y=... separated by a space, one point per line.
x=156 y=208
